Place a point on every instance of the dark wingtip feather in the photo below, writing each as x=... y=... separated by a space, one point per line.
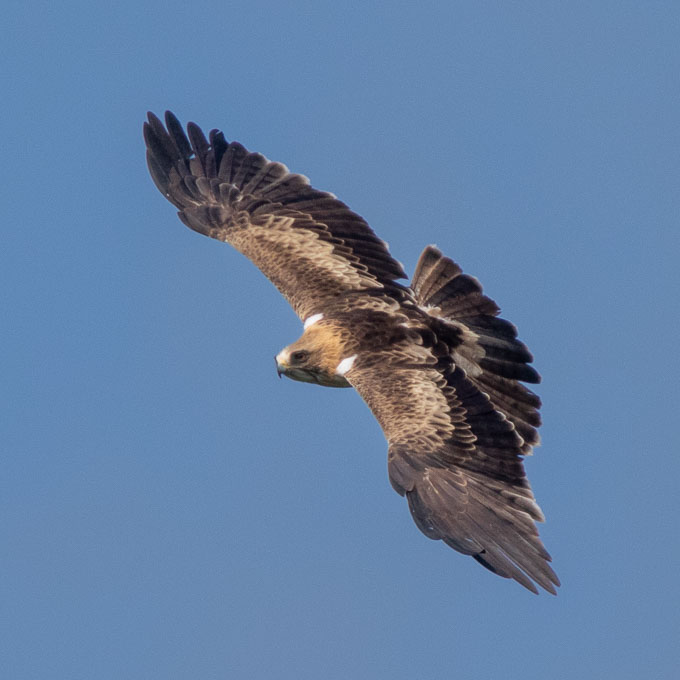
x=198 y=141
x=150 y=134
x=511 y=370
x=177 y=135
x=159 y=143
x=507 y=571
x=153 y=118
x=158 y=173
x=155 y=126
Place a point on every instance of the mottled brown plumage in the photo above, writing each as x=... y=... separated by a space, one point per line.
x=437 y=367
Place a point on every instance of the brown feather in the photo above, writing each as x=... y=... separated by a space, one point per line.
x=458 y=461
x=307 y=242
x=437 y=367
x=483 y=345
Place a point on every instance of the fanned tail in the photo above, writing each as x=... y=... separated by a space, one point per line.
x=494 y=359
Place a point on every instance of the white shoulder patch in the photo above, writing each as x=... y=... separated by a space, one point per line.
x=311 y=320
x=345 y=365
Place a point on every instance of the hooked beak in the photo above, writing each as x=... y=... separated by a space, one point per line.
x=279 y=372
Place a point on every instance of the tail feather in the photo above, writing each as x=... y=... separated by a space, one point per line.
x=495 y=360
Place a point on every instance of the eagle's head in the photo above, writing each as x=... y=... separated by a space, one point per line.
x=316 y=357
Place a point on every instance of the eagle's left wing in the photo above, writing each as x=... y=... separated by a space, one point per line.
x=457 y=459
x=311 y=246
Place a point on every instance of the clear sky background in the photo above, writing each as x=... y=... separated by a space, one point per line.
x=168 y=507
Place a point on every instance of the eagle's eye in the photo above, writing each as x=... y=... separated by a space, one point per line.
x=299 y=356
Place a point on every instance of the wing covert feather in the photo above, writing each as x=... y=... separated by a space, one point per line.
x=458 y=461
x=307 y=242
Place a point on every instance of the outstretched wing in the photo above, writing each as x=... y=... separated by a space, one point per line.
x=458 y=461
x=458 y=420
x=307 y=242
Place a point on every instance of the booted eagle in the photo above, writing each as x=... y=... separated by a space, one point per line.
x=436 y=366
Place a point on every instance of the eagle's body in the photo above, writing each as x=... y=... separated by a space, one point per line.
x=437 y=367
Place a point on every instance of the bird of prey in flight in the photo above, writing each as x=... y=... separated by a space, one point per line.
x=441 y=372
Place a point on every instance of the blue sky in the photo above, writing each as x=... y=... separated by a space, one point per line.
x=169 y=508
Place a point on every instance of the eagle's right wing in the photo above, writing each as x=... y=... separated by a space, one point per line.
x=458 y=461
